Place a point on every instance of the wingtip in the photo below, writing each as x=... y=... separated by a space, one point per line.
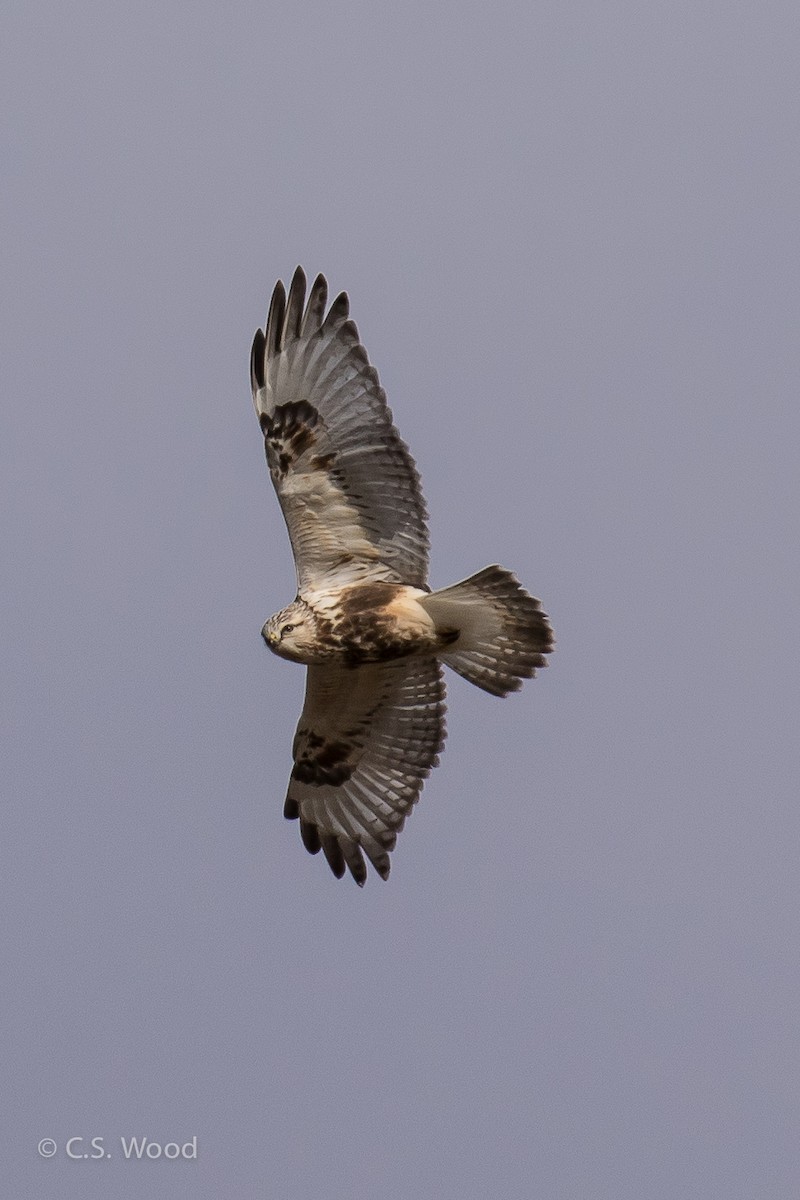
x=333 y=853
x=338 y=312
x=257 y=363
x=287 y=318
x=274 y=325
x=293 y=318
x=310 y=836
x=315 y=309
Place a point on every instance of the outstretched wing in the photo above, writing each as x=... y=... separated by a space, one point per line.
x=347 y=484
x=366 y=741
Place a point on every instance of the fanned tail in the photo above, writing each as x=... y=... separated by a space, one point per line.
x=502 y=634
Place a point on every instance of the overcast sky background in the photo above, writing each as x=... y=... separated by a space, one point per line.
x=569 y=232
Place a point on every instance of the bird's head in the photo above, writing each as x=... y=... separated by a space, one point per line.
x=292 y=633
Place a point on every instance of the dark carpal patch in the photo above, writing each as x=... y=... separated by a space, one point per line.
x=323 y=462
x=288 y=433
x=323 y=762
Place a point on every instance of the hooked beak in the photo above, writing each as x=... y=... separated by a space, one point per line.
x=269 y=638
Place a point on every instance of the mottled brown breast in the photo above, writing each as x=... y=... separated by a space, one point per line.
x=370 y=625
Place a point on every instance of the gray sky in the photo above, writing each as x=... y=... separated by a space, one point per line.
x=569 y=235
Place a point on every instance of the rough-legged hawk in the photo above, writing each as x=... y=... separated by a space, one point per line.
x=365 y=622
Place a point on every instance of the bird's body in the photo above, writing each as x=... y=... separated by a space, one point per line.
x=364 y=621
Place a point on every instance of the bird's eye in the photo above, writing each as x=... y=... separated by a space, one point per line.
x=287 y=629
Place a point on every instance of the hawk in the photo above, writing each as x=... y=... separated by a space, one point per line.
x=364 y=622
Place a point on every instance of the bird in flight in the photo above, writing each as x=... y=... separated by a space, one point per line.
x=364 y=622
